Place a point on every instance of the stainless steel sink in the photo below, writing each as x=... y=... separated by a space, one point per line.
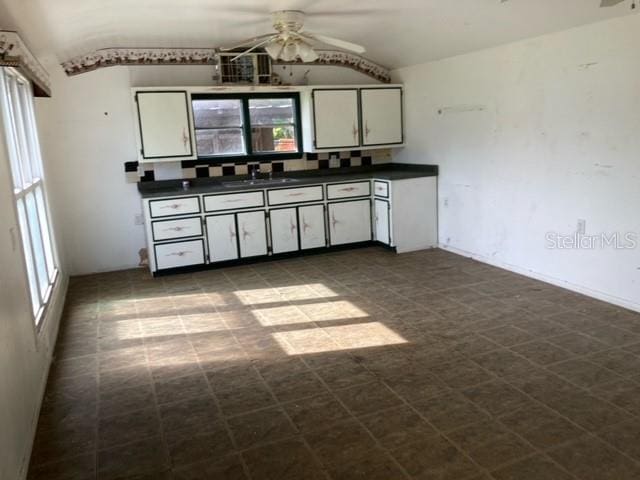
x=260 y=181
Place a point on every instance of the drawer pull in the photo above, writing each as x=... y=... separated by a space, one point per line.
x=233 y=200
x=175 y=229
x=296 y=194
x=178 y=254
x=348 y=189
x=173 y=206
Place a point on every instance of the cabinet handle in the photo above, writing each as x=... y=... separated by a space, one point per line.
x=295 y=194
x=232 y=234
x=366 y=130
x=233 y=200
x=292 y=227
x=334 y=222
x=355 y=132
x=177 y=254
x=173 y=206
x=347 y=189
x=185 y=138
x=175 y=229
x=245 y=233
x=305 y=225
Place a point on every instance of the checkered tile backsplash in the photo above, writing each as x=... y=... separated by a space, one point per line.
x=149 y=172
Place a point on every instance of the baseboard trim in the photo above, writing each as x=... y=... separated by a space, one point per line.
x=598 y=295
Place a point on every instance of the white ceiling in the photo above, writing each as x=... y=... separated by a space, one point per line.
x=396 y=33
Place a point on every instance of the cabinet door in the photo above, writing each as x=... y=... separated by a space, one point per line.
x=164 y=125
x=381 y=216
x=381 y=116
x=350 y=222
x=222 y=237
x=284 y=230
x=252 y=233
x=336 y=118
x=312 y=227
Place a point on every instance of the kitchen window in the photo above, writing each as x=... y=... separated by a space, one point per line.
x=263 y=126
x=23 y=150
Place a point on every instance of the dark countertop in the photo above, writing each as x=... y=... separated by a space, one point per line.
x=390 y=171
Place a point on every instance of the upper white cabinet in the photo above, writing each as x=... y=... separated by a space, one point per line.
x=352 y=118
x=164 y=125
x=381 y=116
x=336 y=122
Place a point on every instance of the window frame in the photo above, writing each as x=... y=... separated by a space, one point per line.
x=250 y=156
x=22 y=147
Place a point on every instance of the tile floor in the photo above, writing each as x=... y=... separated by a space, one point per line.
x=352 y=365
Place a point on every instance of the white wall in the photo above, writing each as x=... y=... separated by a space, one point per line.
x=25 y=354
x=88 y=134
x=531 y=137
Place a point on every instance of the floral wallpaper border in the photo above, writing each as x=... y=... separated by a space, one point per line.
x=109 y=57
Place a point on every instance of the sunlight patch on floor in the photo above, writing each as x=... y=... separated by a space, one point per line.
x=316 y=340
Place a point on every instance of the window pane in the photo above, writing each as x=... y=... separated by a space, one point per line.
x=10 y=131
x=274 y=139
x=217 y=113
x=26 y=106
x=222 y=141
x=26 y=244
x=36 y=243
x=21 y=135
x=44 y=228
x=271 y=111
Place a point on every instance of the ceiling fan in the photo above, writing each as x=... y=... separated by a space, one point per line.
x=289 y=42
x=613 y=3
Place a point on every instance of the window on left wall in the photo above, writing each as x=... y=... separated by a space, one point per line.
x=23 y=150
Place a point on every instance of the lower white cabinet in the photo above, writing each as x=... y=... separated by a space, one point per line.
x=349 y=222
x=312 y=227
x=222 y=237
x=252 y=233
x=382 y=222
x=179 y=254
x=284 y=230
x=399 y=213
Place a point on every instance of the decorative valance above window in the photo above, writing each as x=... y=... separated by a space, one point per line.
x=14 y=53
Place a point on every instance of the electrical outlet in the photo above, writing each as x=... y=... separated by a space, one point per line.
x=582 y=227
x=138 y=219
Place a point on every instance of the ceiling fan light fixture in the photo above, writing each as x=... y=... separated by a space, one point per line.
x=274 y=49
x=306 y=53
x=289 y=52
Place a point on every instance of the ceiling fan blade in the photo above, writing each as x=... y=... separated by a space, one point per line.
x=247 y=42
x=610 y=3
x=257 y=45
x=343 y=44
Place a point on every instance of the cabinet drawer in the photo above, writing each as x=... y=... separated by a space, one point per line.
x=179 y=254
x=174 y=206
x=179 y=228
x=233 y=201
x=348 y=190
x=295 y=195
x=381 y=189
